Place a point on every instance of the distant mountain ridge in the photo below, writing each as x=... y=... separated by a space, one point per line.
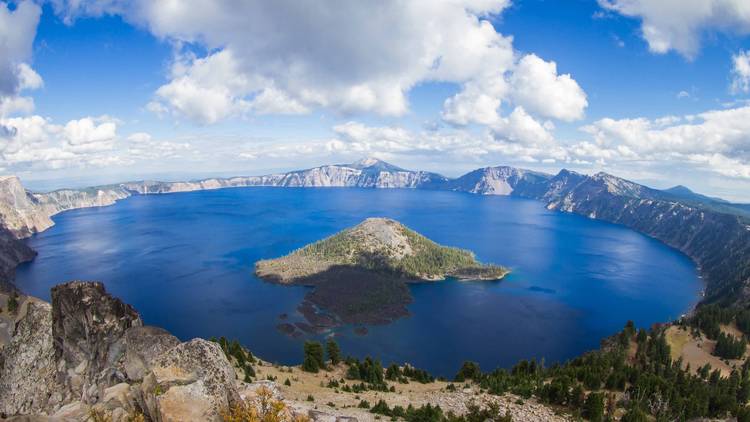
x=714 y=233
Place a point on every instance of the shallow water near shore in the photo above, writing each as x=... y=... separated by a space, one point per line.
x=185 y=261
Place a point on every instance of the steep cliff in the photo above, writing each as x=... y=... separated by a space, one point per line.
x=54 y=202
x=718 y=242
x=12 y=253
x=20 y=211
x=366 y=173
x=501 y=180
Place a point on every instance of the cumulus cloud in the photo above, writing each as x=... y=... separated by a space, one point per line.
x=680 y=24
x=17 y=32
x=520 y=127
x=34 y=142
x=538 y=87
x=717 y=140
x=531 y=83
x=290 y=57
x=741 y=72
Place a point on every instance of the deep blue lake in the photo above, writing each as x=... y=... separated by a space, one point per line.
x=185 y=261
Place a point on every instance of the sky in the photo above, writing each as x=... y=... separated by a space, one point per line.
x=101 y=91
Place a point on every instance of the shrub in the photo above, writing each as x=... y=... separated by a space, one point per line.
x=469 y=370
x=13 y=303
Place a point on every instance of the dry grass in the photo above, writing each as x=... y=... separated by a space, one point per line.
x=696 y=351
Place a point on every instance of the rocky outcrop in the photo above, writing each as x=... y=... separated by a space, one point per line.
x=88 y=351
x=143 y=346
x=88 y=328
x=28 y=367
x=192 y=381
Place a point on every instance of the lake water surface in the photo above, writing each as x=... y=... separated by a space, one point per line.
x=185 y=261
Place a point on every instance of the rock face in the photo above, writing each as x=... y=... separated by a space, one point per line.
x=28 y=367
x=501 y=181
x=58 y=201
x=190 y=382
x=718 y=242
x=143 y=346
x=12 y=253
x=89 y=336
x=20 y=211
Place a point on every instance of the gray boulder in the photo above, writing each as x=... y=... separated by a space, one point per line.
x=143 y=346
x=191 y=381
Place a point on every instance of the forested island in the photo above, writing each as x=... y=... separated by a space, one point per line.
x=360 y=275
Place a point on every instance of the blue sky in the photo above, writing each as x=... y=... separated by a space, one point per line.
x=101 y=91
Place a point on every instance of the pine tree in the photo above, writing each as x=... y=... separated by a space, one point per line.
x=333 y=352
x=593 y=409
x=313 y=360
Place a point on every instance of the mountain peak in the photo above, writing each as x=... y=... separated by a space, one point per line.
x=374 y=163
x=679 y=189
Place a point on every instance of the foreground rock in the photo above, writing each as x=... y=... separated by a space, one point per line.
x=88 y=352
x=192 y=381
x=88 y=329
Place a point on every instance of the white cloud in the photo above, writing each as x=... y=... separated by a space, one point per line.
x=741 y=72
x=478 y=102
x=715 y=141
x=17 y=32
x=532 y=84
x=521 y=128
x=718 y=141
x=86 y=131
x=347 y=57
x=290 y=57
x=204 y=89
x=34 y=142
x=139 y=137
x=538 y=88
x=16 y=104
x=680 y=24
